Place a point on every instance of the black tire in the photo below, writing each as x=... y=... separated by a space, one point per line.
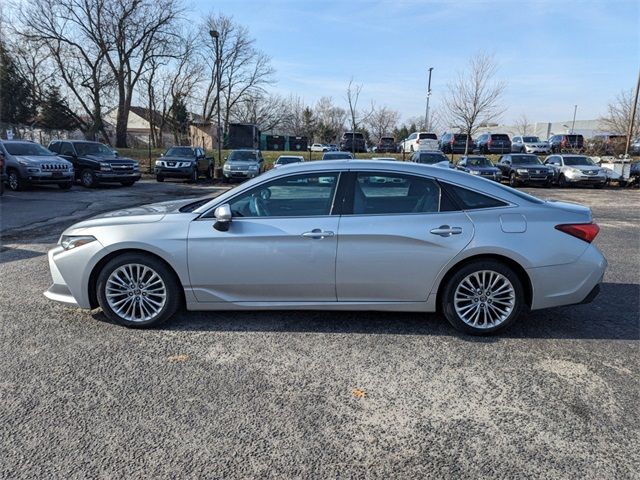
x=562 y=181
x=15 y=181
x=159 y=178
x=447 y=300
x=210 y=172
x=128 y=183
x=225 y=179
x=172 y=286
x=523 y=150
x=88 y=178
x=65 y=186
x=513 y=180
x=194 y=176
x=548 y=184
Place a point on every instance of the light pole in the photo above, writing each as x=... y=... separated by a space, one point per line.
x=426 y=114
x=573 y=124
x=214 y=34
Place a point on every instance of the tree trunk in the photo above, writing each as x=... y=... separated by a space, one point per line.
x=123 y=116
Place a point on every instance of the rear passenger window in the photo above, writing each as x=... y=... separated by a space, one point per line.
x=389 y=193
x=470 y=200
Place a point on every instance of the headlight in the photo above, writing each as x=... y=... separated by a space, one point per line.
x=226 y=167
x=69 y=242
x=105 y=166
x=522 y=171
x=159 y=163
x=136 y=166
x=474 y=172
x=573 y=171
x=253 y=168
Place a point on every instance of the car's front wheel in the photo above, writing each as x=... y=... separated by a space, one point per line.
x=483 y=297
x=16 y=183
x=513 y=180
x=88 y=178
x=138 y=290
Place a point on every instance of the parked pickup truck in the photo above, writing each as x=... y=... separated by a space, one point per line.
x=184 y=162
x=95 y=163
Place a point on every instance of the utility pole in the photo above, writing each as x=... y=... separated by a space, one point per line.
x=215 y=35
x=573 y=124
x=426 y=113
x=633 y=117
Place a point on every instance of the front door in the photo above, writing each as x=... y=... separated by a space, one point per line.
x=402 y=231
x=280 y=246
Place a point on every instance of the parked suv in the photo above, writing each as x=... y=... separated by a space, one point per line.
x=562 y=143
x=386 y=145
x=456 y=143
x=608 y=144
x=242 y=164
x=95 y=163
x=524 y=168
x=183 y=162
x=353 y=142
x=575 y=170
x=418 y=141
x=493 y=143
x=30 y=163
x=529 y=144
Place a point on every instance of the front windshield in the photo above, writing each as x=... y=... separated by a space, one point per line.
x=578 y=161
x=431 y=158
x=287 y=160
x=179 y=152
x=526 y=160
x=479 y=162
x=93 y=149
x=242 y=156
x=530 y=139
x=27 y=148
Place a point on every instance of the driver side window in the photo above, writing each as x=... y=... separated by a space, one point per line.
x=304 y=195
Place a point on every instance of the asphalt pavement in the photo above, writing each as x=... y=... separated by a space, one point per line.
x=312 y=394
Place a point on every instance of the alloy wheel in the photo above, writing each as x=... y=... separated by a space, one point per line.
x=14 y=181
x=484 y=299
x=136 y=292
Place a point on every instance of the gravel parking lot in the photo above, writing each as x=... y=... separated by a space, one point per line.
x=312 y=394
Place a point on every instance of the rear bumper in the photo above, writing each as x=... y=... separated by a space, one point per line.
x=568 y=284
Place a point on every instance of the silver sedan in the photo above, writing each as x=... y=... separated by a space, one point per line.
x=336 y=235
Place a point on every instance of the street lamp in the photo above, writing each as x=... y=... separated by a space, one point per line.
x=573 y=124
x=216 y=36
x=426 y=114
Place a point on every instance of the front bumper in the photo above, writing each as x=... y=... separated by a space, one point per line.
x=70 y=272
x=182 y=172
x=230 y=174
x=49 y=177
x=535 y=177
x=117 y=177
x=568 y=284
x=586 y=179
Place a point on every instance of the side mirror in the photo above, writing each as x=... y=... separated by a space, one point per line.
x=162 y=154
x=115 y=152
x=223 y=218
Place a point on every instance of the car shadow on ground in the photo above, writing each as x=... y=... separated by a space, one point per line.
x=10 y=254
x=613 y=315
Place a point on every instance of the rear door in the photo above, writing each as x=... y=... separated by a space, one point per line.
x=396 y=233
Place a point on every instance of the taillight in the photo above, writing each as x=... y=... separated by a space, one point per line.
x=583 y=231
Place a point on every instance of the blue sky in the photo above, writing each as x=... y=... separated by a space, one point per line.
x=552 y=54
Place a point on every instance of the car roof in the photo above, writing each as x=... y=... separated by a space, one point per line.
x=17 y=141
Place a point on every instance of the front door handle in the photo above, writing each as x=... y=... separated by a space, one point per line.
x=317 y=233
x=446 y=231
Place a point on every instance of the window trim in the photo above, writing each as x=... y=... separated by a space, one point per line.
x=209 y=214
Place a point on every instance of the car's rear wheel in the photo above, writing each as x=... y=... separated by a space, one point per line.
x=483 y=297
x=138 y=290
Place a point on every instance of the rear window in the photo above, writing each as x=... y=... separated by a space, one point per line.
x=460 y=136
x=352 y=135
x=431 y=136
x=387 y=140
x=574 y=138
x=500 y=137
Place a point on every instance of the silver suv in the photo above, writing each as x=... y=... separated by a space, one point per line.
x=242 y=164
x=529 y=144
x=576 y=170
x=30 y=163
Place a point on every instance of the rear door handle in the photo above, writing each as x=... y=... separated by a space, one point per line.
x=446 y=231
x=317 y=233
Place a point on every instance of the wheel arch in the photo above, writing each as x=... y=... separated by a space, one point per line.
x=510 y=262
x=97 y=268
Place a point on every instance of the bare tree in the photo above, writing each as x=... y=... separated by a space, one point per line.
x=382 y=122
x=294 y=120
x=475 y=97
x=101 y=43
x=330 y=119
x=266 y=111
x=618 y=115
x=244 y=69
x=523 y=125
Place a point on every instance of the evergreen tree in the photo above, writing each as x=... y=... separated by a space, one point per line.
x=55 y=113
x=17 y=105
x=179 y=118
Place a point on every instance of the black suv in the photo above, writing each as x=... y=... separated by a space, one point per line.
x=493 y=143
x=96 y=163
x=455 y=143
x=564 y=143
x=386 y=145
x=353 y=142
x=525 y=168
x=183 y=162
